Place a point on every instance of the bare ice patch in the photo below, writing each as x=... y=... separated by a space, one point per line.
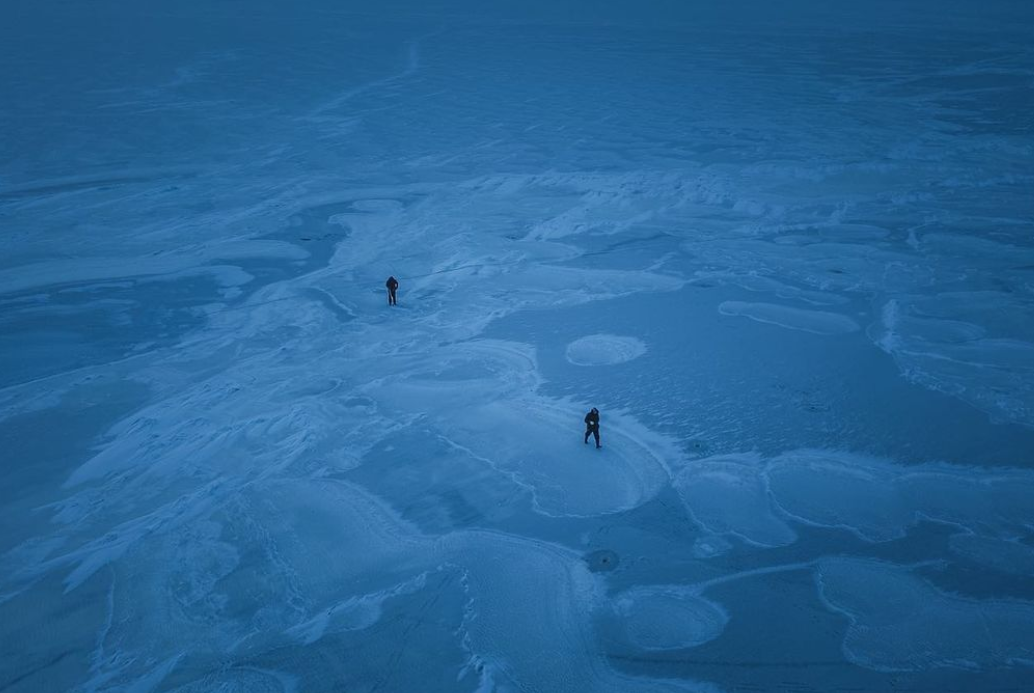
x=815 y=321
x=604 y=350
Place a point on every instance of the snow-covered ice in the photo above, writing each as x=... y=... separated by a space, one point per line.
x=785 y=248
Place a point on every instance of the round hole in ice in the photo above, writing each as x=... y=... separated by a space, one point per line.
x=604 y=350
x=602 y=561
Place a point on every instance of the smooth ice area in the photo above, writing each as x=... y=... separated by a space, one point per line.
x=786 y=248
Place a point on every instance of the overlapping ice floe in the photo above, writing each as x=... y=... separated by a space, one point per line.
x=477 y=396
x=545 y=595
x=768 y=285
x=899 y=622
x=729 y=495
x=978 y=346
x=759 y=500
x=354 y=613
x=879 y=500
x=1003 y=555
x=815 y=321
x=538 y=443
x=234 y=573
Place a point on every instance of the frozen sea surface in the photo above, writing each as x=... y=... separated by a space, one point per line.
x=787 y=250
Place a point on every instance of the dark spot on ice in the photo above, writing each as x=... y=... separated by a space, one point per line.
x=697 y=447
x=602 y=561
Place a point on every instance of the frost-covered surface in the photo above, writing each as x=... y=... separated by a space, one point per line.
x=786 y=248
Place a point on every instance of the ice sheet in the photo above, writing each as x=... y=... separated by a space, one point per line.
x=785 y=250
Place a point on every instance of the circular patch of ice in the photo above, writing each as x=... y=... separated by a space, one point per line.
x=604 y=350
x=669 y=619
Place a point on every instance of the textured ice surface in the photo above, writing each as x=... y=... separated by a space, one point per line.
x=604 y=350
x=785 y=250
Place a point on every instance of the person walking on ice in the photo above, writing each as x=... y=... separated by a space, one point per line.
x=393 y=286
x=592 y=426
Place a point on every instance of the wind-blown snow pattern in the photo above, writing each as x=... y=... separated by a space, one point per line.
x=786 y=248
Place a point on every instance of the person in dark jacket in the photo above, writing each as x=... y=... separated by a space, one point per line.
x=592 y=426
x=393 y=286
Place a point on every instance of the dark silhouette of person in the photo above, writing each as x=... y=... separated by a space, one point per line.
x=592 y=426
x=393 y=286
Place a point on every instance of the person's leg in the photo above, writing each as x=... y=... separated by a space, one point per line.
x=587 y=432
x=596 y=435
